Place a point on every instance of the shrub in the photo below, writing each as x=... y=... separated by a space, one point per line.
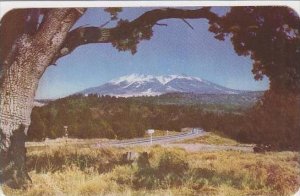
x=170 y=170
x=172 y=162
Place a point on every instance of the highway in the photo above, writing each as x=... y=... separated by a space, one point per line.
x=158 y=140
x=165 y=141
x=168 y=141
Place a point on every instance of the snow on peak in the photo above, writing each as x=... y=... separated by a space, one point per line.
x=166 y=79
x=149 y=85
x=132 y=78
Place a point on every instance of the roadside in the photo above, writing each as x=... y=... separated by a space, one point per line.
x=212 y=138
x=211 y=142
x=209 y=147
x=192 y=141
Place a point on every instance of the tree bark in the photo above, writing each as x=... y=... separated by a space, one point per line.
x=24 y=66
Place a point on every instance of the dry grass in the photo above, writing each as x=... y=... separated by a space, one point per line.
x=85 y=171
x=212 y=138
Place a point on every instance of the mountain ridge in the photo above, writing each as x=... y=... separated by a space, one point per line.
x=148 y=85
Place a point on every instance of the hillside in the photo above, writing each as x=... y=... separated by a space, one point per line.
x=111 y=117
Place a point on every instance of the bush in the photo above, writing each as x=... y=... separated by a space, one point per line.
x=172 y=162
x=170 y=171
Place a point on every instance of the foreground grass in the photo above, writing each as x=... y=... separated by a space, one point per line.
x=85 y=171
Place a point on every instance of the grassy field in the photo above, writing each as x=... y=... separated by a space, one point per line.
x=212 y=138
x=73 y=171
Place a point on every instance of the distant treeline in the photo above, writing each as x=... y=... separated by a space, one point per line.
x=111 y=117
x=211 y=102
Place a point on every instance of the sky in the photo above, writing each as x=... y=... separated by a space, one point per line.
x=173 y=49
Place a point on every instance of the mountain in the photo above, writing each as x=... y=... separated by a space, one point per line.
x=148 y=85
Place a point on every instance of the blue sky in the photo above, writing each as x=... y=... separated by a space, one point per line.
x=175 y=49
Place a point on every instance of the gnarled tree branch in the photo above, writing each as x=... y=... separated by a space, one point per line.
x=126 y=35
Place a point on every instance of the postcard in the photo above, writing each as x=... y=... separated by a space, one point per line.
x=149 y=98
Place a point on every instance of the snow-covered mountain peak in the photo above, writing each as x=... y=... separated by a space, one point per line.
x=149 y=85
x=132 y=78
x=168 y=78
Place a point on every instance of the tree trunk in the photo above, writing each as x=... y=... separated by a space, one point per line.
x=23 y=67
